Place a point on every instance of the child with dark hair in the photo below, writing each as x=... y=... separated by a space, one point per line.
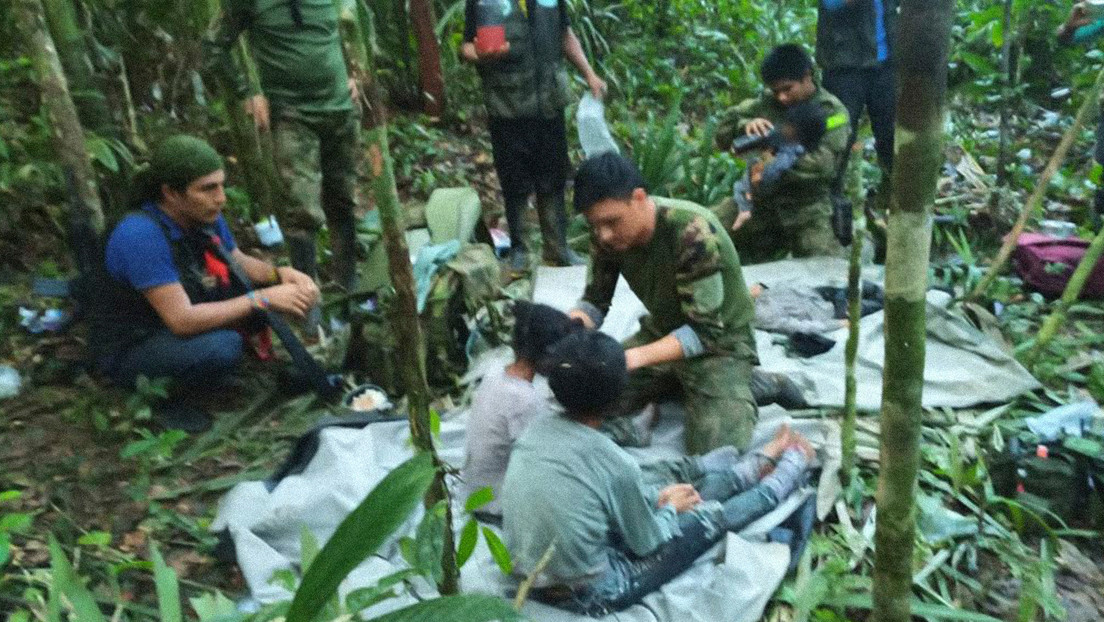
x=616 y=538
x=802 y=127
x=506 y=400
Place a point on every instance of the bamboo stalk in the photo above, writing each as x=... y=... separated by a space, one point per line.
x=1037 y=196
x=854 y=314
x=924 y=42
x=1069 y=296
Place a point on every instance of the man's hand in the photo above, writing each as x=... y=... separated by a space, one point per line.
x=257 y=107
x=682 y=497
x=596 y=85
x=289 y=298
x=577 y=314
x=470 y=51
x=758 y=127
x=741 y=218
x=300 y=280
x=354 y=92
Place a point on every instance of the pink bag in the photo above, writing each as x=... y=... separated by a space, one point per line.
x=1046 y=264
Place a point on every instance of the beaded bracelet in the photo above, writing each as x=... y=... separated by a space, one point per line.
x=260 y=303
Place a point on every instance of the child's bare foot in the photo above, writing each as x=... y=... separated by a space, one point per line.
x=802 y=444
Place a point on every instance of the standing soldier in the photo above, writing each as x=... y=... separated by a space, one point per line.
x=307 y=100
x=854 y=47
x=796 y=216
x=525 y=91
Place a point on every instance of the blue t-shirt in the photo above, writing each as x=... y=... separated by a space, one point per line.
x=138 y=253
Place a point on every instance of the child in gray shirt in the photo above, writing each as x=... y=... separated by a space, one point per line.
x=507 y=401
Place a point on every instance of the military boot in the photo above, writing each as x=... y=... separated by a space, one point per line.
x=303 y=257
x=553 y=221
x=343 y=240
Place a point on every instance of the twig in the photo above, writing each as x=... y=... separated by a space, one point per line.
x=527 y=584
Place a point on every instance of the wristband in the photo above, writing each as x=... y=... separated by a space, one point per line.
x=258 y=303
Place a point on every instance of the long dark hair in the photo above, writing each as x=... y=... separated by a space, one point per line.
x=537 y=328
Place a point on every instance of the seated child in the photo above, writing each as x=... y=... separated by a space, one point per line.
x=800 y=132
x=616 y=538
x=506 y=401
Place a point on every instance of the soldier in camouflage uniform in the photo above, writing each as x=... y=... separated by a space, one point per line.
x=296 y=45
x=797 y=217
x=697 y=335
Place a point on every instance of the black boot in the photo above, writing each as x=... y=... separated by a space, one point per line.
x=553 y=220
x=518 y=258
x=343 y=240
x=303 y=257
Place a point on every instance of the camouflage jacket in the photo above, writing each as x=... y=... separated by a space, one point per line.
x=689 y=278
x=809 y=181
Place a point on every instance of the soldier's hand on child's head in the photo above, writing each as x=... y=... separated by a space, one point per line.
x=577 y=314
x=758 y=127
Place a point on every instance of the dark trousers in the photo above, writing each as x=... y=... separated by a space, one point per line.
x=187 y=361
x=530 y=157
x=875 y=90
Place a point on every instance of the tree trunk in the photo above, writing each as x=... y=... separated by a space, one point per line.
x=854 y=314
x=429 y=57
x=1006 y=100
x=65 y=127
x=1037 y=196
x=404 y=316
x=72 y=51
x=1070 y=295
x=924 y=40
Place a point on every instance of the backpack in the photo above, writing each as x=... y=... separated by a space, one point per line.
x=1045 y=263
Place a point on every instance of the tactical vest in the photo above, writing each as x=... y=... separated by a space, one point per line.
x=529 y=81
x=847 y=38
x=119 y=316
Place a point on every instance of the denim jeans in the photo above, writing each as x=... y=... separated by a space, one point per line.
x=629 y=578
x=874 y=89
x=187 y=361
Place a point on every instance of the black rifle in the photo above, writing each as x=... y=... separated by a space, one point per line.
x=842 y=216
x=327 y=386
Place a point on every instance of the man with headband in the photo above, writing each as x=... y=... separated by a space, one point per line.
x=165 y=306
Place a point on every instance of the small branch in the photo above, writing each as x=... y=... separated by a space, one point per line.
x=527 y=584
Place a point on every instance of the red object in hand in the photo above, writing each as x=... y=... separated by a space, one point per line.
x=490 y=39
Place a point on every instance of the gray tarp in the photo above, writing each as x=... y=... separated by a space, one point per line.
x=964 y=368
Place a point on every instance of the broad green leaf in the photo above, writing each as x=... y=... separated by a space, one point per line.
x=479 y=498
x=308 y=547
x=498 y=551
x=435 y=423
x=361 y=533
x=463 y=608
x=15 y=523
x=429 y=542
x=168 y=588
x=68 y=583
x=99 y=151
x=20 y=616
x=10 y=495
x=95 y=538
x=5 y=549
x=468 y=539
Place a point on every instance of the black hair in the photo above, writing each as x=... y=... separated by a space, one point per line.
x=587 y=373
x=538 y=327
x=809 y=122
x=606 y=176
x=789 y=61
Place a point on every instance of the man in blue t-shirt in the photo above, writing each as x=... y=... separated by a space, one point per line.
x=855 y=48
x=165 y=305
x=1083 y=26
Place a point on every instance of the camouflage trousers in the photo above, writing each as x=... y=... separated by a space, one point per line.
x=773 y=233
x=316 y=157
x=716 y=393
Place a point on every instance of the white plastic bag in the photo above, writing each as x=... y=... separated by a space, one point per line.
x=594 y=134
x=268 y=232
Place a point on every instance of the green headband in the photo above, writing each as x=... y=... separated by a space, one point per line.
x=180 y=160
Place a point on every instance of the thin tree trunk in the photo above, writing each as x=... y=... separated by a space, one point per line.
x=1037 y=196
x=1006 y=100
x=429 y=57
x=65 y=126
x=854 y=314
x=72 y=50
x=404 y=316
x=924 y=40
x=1070 y=295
